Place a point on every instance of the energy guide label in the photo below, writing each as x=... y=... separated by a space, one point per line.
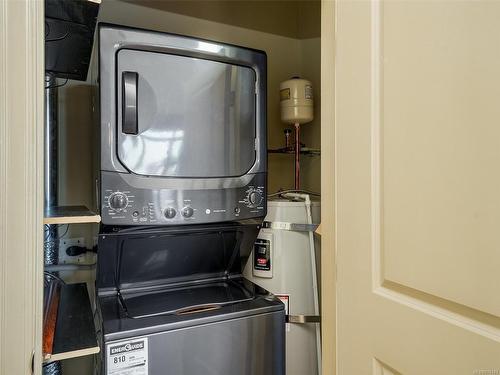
x=127 y=357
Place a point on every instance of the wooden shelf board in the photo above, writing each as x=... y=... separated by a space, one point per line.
x=75 y=331
x=72 y=354
x=70 y=215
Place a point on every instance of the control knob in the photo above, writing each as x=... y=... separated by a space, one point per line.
x=118 y=201
x=187 y=212
x=254 y=198
x=170 y=213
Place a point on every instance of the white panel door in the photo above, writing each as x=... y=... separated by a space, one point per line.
x=417 y=171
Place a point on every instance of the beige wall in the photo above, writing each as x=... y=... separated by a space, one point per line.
x=310 y=55
x=75 y=151
x=280 y=17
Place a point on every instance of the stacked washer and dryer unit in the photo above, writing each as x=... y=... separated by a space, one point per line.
x=182 y=194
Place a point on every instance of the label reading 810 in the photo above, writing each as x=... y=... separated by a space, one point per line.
x=127 y=357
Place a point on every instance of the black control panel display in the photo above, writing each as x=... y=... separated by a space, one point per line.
x=262 y=255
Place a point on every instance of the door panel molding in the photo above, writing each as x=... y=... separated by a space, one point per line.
x=376 y=144
x=466 y=317
x=462 y=316
x=380 y=368
x=21 y=179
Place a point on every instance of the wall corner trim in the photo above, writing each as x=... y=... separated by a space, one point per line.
x=21 y=179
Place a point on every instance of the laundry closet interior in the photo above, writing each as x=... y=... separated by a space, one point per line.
x=288 y=32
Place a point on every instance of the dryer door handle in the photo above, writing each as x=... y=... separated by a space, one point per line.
x=129 y=102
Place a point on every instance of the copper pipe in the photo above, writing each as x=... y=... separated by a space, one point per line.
x=297 y=156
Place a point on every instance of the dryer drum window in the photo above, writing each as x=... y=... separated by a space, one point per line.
x=180 y=116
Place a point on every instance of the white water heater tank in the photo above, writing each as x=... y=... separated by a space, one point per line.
x=281 y=263
x=296 y=100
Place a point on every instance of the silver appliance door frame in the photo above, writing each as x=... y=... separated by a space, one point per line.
x=113 y=38
x=184 y=117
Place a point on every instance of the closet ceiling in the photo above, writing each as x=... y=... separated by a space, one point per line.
x=294 y=19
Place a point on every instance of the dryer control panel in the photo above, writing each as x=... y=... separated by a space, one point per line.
x=122 y=204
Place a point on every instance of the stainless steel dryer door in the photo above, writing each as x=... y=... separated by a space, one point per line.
x=181 y=116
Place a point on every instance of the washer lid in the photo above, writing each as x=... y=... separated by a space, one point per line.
x=188 y=299
x=147 y=258
x=118 y=324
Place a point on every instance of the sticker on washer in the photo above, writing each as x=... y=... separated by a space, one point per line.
x=285 y=298
x=127 y=357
